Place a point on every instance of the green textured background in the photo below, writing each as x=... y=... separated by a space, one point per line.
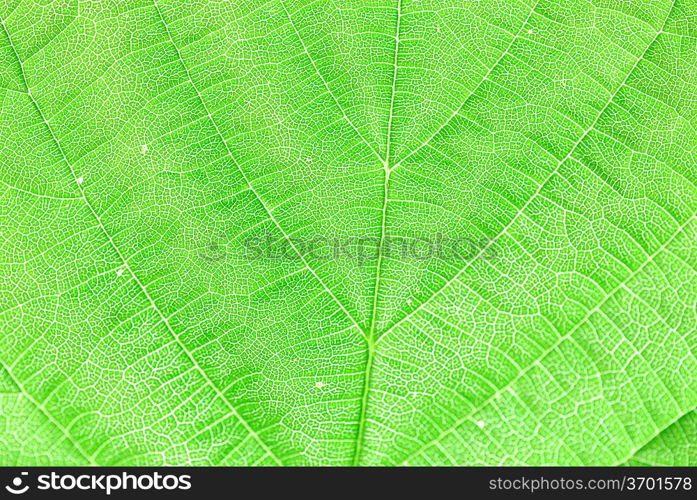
x=135 y=133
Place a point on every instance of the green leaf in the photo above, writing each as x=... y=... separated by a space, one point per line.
x=674 y=446
x=198 y=199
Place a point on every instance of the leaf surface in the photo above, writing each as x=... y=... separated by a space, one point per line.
x=145 y=144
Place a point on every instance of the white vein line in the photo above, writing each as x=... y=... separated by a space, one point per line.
x=37 y=195
x=246 y=179
x=541 y=185
x=383 y=232
x=484 y=79
x=163 y=318
x=648 y=441
x=556 y=344
x=326 y=85
x=394 y=87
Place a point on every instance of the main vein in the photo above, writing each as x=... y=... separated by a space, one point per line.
x=372 y=334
